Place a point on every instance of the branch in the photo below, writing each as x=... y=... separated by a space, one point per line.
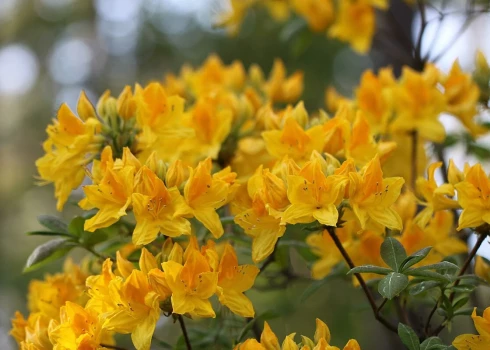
x=418 y=46
x=365 y=288
x=462 y=271
x=184 y=332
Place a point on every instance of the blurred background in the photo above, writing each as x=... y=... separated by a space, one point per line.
x=50 y=50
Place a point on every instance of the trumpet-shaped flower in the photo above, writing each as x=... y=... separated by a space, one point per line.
x=436 y=197
x=371 y=197
x=72 y=143
x=418 y=103
x=158 y=209
x=78 y=328
x=112 y=196
x=476 y=342
x=355 y=24
x=192 y=284
x=294 y=141
x=204 y=194
x=233 y=280
x=313 y=196
x=474 y=198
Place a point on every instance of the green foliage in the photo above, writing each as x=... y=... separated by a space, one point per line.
x=392 y=285
x=47 y=252
x=393 y=253
x=408 y=337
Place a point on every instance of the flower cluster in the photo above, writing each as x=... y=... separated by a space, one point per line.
x=351 y=21
x=185 y=173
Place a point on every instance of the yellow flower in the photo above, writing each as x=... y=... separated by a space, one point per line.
x=438 y=234
x=205 y=194
x=371 y=197
x=78 y=329
x=280 y=88
x=355 y=24
x=158 y=209
x=250 y=154
x=361 y=145
x=462 y=95
x=192 y=284
x=436 y=197
x=233 y=280
x=269 y=341
x=31 y=334
x=482 y=268
x=294 y=141
x=211 y=124
x=72 y=143
x=233 y=18
x=333 y=100
x=127 y=305
x=372 y=100
x=474 y=198
x=418 y=103
x=313 y=196
x=112 y=196
x=476 y=342
x=160 y=119
x=323 y=246
x=318 y=14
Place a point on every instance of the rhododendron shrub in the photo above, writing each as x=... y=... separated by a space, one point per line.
x=191 y=185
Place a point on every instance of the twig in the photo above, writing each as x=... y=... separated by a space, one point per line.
x=184 y=332
x=462 y=271
x=418 y=46
x=365 y=288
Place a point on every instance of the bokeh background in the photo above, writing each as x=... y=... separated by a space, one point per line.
x=52 y=49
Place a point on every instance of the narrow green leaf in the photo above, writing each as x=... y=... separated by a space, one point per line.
x=430 y=342
x=53 y=223
x=408 y=337
x=415 y=258
x=460 y=303
x=463 y=288
x=392 y=285
x=423 y=287
x=370 y=269
x=430 y=275
x=47 y=252
x=467 y=311
x=48 y=233
x=393 y=253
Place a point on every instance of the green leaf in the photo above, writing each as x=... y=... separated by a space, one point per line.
x=465 y=288
x=451 y=140
x=430 y=342
x=47 y=252
x=89 y=239
x=53 y=223
x=481 y=152
x=423 y=287
x=392 y=285
x=460 y=303
x=76 y=226
x=370 y=269
x=415 y=258
x=48 y=233
x=443 y=265
x=408 y=337
x=430 y=275
x=467 y=311
x=393 y=253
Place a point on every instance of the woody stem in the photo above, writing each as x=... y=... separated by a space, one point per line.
x=184 y=332
x=365 y=288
